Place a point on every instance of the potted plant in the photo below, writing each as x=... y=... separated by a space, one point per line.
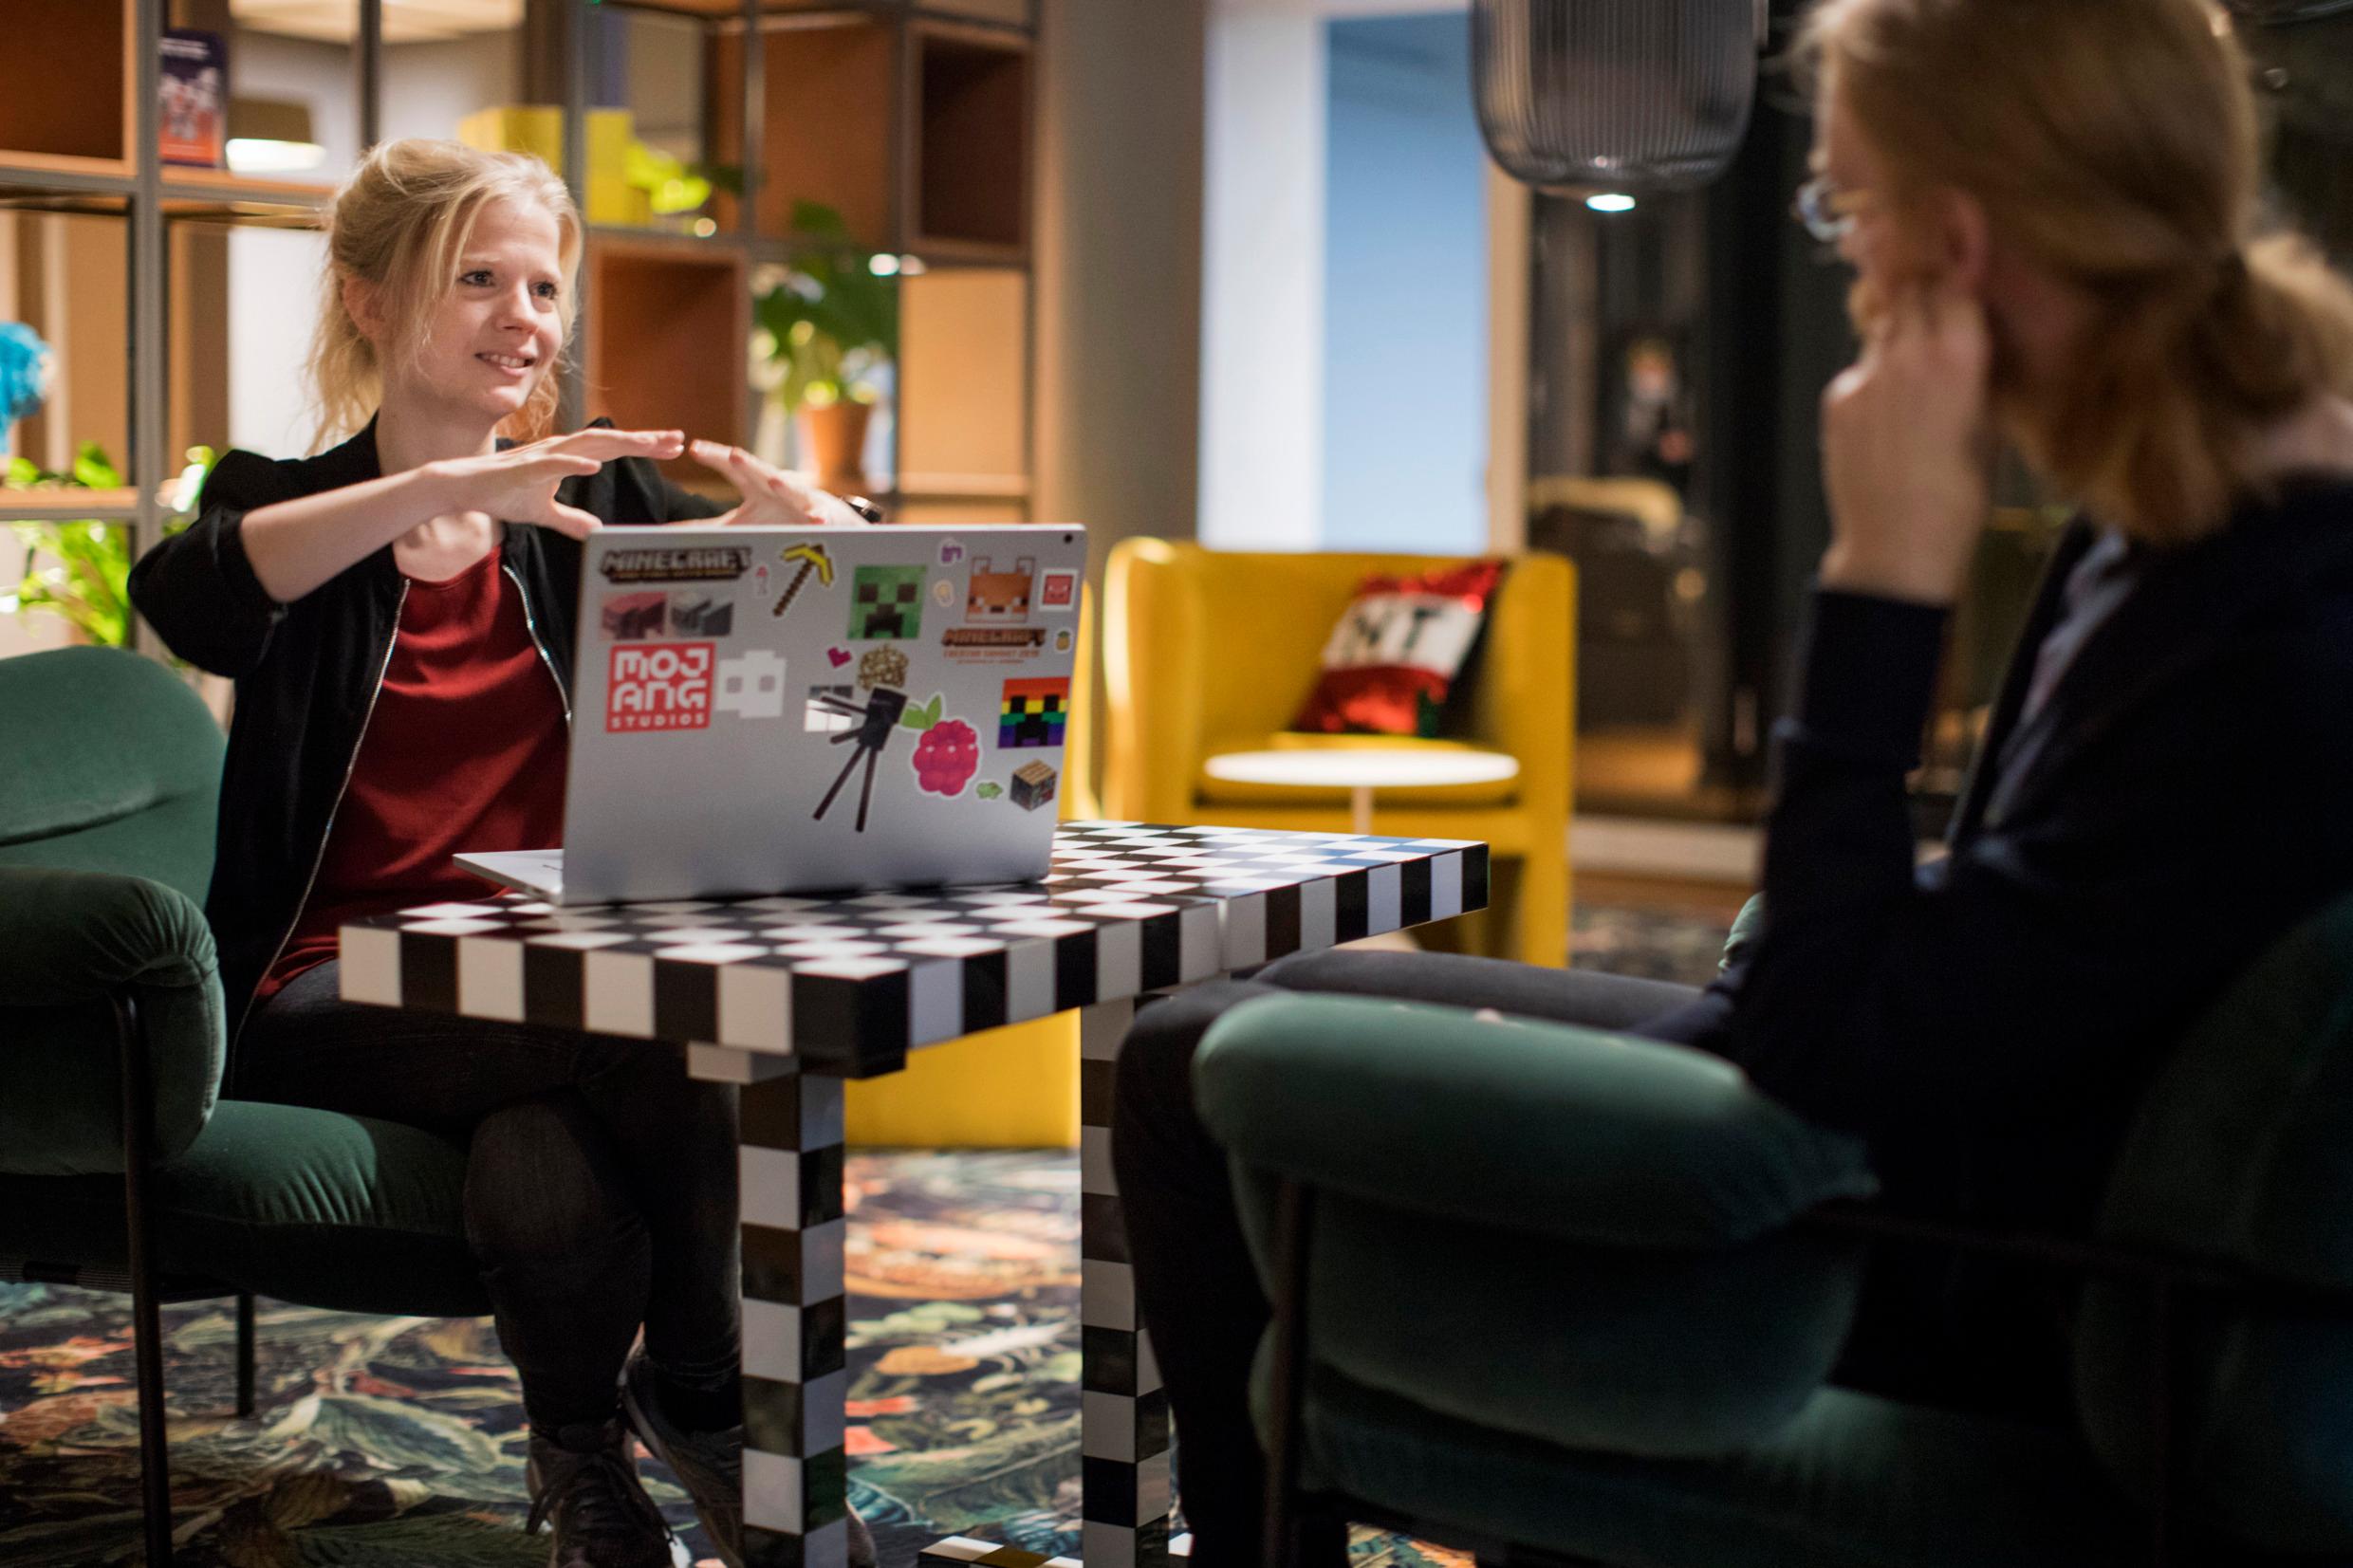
x=829 y=330
x=80 y=569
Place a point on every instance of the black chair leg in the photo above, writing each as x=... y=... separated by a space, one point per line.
x=245 y=1353
x=147 y=1311
x=1288 y=1523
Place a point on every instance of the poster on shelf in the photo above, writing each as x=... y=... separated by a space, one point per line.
x=193 y=123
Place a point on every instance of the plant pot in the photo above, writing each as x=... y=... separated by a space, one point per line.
x=833 y=438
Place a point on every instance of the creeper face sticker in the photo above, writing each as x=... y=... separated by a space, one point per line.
x=886 y=604
x=1033 y=713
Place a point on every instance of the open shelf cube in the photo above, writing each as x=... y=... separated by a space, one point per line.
x=68 y=106
x=963 y=382
x=969 y=188
x=827 y=134
x=664 y=336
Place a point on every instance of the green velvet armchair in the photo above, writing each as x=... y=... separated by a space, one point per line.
x=1649 y=1269
x=120 y=1165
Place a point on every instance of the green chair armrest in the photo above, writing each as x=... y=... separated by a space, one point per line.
x=1566 y=1234
x=1541 y=1128
x=1748 y=929
x=69 y=941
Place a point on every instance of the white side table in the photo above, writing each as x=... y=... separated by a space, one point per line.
x=1362 y=770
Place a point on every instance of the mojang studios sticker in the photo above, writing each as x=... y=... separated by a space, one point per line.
x=659 y=686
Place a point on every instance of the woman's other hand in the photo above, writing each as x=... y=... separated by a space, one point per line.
x=1907 y=450
x=771 y=495
x=519 y=484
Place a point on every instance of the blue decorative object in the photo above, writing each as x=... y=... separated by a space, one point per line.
x=25 y=362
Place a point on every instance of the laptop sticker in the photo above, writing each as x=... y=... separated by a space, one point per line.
x=1033 y=713
x=695 y=613
x=837 y=657
x=1033 y=785
x=948 y=753
x=751 y=685
x=882 y=666
x=1058 y=589
x=951 y=551
x=886 y=604
x=943 y=593
x=805 y=561
x=998 y=599
x=659 y=686
x=877 y=720
x=989 y=791
x=689 y=564
x=829 y=710
x=996 y=606
x=631 y=616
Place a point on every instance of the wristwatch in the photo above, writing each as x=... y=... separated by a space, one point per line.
x=863 y=508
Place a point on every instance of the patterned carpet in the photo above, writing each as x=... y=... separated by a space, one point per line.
x=394 y=1443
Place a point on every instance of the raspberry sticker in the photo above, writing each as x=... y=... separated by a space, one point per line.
x=946 y=757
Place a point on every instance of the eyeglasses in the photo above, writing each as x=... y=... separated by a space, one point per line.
x=1828 y=213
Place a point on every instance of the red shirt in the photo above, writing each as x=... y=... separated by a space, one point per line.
x=465 y=750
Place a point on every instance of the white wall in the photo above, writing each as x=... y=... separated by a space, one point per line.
x=1266 y=259
x=1262 y=290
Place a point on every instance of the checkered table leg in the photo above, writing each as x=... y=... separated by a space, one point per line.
x=1123 y=1433
x=796 y=1470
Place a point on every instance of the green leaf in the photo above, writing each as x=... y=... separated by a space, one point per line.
x=91 y=469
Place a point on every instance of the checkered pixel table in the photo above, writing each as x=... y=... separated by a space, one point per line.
x=789 y=996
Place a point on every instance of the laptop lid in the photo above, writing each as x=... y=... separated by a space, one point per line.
x=768 y=710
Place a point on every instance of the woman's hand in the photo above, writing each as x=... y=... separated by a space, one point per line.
x=772 y=495
x=519 y=484
x=1907 y=447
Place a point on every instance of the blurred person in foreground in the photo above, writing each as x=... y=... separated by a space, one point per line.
x=2051 y=211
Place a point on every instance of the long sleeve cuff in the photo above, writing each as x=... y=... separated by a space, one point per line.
x=1869 y=675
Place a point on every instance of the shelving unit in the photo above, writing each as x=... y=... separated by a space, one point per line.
x=912 y=117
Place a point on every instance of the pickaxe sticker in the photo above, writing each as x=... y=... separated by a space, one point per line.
x=813 y=558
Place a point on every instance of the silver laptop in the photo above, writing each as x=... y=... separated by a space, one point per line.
x=764 y=710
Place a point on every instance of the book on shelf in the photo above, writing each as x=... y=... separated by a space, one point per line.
x=193 y=126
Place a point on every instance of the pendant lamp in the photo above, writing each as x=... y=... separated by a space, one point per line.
x=1625 y=96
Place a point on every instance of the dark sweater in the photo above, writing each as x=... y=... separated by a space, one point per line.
x=306 y=673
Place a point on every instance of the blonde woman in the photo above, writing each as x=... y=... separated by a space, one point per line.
x=2050 y=209
x=397 y=614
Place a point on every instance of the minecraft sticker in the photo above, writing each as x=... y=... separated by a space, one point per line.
x=887 y=603
x=628 y=618
x=806 y=561
x=829 y=708
x=1033 y=713
x=1033 y=785
x=1058 y=589
x=998 y=599
x=696 y=613
x=659 y=686
x=882 y=666
x=701 y=564
x=751 y=685
x=876 y=721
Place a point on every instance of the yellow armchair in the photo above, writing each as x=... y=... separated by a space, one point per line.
x=1214 y=650
x=1015 y=1087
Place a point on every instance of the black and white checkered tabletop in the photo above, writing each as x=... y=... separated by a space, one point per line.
x=851 y=985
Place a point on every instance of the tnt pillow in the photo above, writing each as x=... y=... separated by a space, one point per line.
x=1398 y=650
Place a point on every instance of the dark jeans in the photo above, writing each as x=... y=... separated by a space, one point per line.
x=600 y=1178
x=1195 y=1288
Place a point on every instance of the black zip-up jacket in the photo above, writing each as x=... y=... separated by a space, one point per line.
x=307 y=672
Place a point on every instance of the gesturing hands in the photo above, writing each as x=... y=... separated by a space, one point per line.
x=519 y=484
x=771 y=495
x=1907 y=447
